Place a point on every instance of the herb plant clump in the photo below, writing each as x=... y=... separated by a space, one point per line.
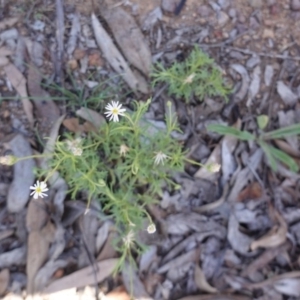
x=124 y=165
x=197 y=75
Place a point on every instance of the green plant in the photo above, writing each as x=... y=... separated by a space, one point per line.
x=273 y=154
x=197 y=75
x=124 y=165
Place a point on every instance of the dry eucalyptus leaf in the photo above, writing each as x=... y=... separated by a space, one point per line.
x=214 y=158
x=113 y=56
x=88 y=224
x=254 y=85
x=147 y=258
x=74 y=34
x=4 y=280
x=8 y=23
x=14 y=257
x=102 y=235
x=286 y=94
x=19 y=83
x=5 y=51
x=44 y=275
x=19 y=191
x=179 y=261
x=83 y=277
x=6 y=233
x=47 y=111
x=241 y=94
x=238 y=240
x=217 y=297
x=288 y=286
x=129 y=38
x=37 y=253
x=92 y=116
x=72 y=124
x=133 y=284
x=245 y=175
x=274 y=238
x=201 y=281
x=37 y=215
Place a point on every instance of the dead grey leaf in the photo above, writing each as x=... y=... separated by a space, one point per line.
x=113 y=56
x=275 y=237
x=238 y=241
x=133 y=284
x=214 y=158
x=5 y=51
x=286 y=94
x=269 y=73
x=102 y=235
x=148 y=257
x=88 y=223
x=129 y=38
x=9 y=22
x=254 y=85
x=38 y=246
x=47 y=111
x=19 y=83
x=8 y=34
x=190 y=256
x=14 y=257
x=288 y=286
x=37 y=216
x=4 y=280
x=83 y=277
x=242 y=177
x=286 y=119
x=201 y=281
x=152 y=18
x=19 y=58
x=35 y=50
x=44 y=275
x=74 y=33
x=6 y=233
x=92 y=116
x=241 y=94
x=4 y=61
x=19 y=191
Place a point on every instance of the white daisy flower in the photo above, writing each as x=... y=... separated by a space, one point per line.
x=7 y=160
x=38 y=190
x=123 y=150
x=159 y=158
x=128 y=239
x=74 y=146
x=151 y=228
x=114 y=110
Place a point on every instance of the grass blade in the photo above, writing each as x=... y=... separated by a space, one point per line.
x=270 y=157
x=282 y=132
x=284 y=158
x=226 y=130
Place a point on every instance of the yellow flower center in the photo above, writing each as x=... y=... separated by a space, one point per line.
x=38 y=190
x=115 y=111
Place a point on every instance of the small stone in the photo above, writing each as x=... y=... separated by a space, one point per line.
x=205 y=11
x=223 y=18
x=253 y=24
x=169 y=5
x=295 y=5
x=224 y=3
x=256 y=3
x=295 y=15
x=72 y=64
x=232 y=13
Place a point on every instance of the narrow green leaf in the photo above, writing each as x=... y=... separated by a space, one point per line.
x=226 y=130
x=284 y=158
x=266 y=149
x=282 y=132
x=262 y=121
